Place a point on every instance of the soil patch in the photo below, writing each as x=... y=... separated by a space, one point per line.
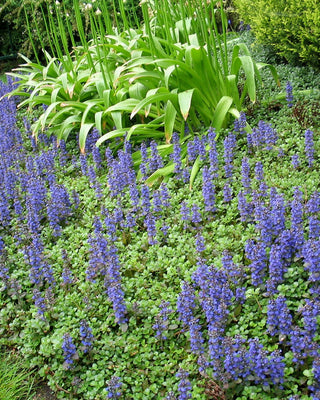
x=43 y=392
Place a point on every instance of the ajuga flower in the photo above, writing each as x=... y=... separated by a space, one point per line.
x=69 y=350
x=309 y=147
x=289 y=95
x=86 y=335
x=114 y=388
x=184 y=386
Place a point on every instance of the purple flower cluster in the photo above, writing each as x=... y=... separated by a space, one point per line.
x=309 y=147
x=259 y=175
x=40 y=271
x=264 y=134
x=184 y=386
x=162 y=320
x=176 y=155
x=69 y=350
x=229 y=147
x=245 y=208
x=277 y=268
x=246 y=181
x=295 y=161
x=208 y=190
x=58 y=207
x=252 y=363
x=114 y=388
x=289 y=94
x=256 y=253
x=279 y=317
x=120 y=172
x=150 y=164
x=240 y=124
x=86 y=335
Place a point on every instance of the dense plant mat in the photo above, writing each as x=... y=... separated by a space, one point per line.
x=114 y=288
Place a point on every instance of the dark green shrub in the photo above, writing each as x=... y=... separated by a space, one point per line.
x=9 y=43
x=291 y=27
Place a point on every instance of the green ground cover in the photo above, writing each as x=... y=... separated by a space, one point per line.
x=104 y=277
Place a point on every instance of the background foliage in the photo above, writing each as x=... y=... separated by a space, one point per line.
x=31 y=17
x=292 y=28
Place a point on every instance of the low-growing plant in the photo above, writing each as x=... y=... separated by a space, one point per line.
x=90 y=257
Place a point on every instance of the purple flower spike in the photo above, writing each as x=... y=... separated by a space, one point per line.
x=176 y=155
x=69 y=350
x=86 y=335
x=114 y=388
x=295 y=161
x=184 y=386
x=227 y=193
x=246 y=181
x=289 y=95
x=161 y=320
x=309 y=147
x=208 y=190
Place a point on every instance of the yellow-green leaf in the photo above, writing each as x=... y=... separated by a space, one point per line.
x=184 y=100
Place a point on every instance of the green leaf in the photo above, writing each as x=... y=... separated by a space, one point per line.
x=117 y=119
x=84 y=130
x=169 y=120
x=125 y=105
x=248 y=67
x=69 y=124
x=167 y=73
x=308 y=373
x=221 y=112
x=98 y=120
x=272 y=70
x=160 y=173
x=194 y=172
x=153 y=99
x=87 y=111
x=184 y=100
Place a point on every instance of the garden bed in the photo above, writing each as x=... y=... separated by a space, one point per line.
x=114 y=288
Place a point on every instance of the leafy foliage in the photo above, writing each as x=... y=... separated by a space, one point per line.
x=15 y=379
x=290 y=27
x=165 y=245
x=146 y=83
x=29 y=20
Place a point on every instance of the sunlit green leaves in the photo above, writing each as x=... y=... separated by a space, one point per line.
x=145 y=83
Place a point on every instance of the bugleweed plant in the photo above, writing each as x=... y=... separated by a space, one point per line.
x=117 y=290
x=171 y=75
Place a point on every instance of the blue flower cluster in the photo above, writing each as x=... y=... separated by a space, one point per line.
x=114 y=388
x=289 y=94
x=69 y=350
x=184 y=387
x=162 y=320
x=86 y=335
x=32 y=195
